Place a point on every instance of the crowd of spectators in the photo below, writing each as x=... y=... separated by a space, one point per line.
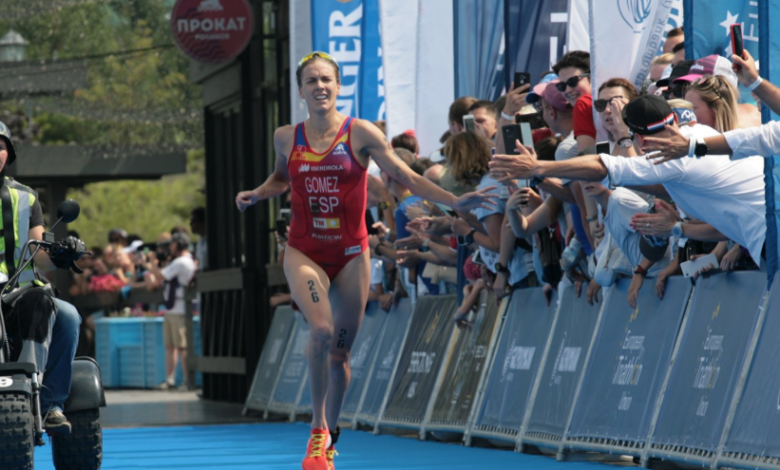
x=569 y=211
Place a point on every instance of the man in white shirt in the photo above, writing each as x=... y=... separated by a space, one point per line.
x=728 y=195
x=177 y=274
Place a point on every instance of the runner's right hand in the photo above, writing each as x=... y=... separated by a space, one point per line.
x=246 y=199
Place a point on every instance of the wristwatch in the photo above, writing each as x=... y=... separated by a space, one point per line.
x=470 y=237
x=701 y=148
x=640 y=270
x=500 y=268
x=383 y=205
x=677 y=230
x=626 y=142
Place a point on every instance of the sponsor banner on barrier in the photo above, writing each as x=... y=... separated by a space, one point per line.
x=515 y=363
x=723 y=313
x=561 y=371
x=293 y=369
x=362 y=357
x=421 y=360
x=464 y=369
x=388 y=350
x=271 y=358
x=629 y=362
x=756 y=424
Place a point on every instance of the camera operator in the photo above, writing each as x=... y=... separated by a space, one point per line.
x=51 y=324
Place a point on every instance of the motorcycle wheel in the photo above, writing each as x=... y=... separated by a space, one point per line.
x=17 y=433
x=82 y=449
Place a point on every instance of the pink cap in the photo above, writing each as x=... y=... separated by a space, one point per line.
x=713 y=65
x=551 y=95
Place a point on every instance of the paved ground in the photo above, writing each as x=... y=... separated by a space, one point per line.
x=132 y=408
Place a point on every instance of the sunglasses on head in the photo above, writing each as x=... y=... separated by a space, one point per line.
x=601 y=105
x=571 y=83
x=320 y=54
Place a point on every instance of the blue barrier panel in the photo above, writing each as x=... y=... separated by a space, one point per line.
x=561 y=371
x=722 y=317
x=293 y=370
x=362 y=358
x=422 y=358
x=268 y=367
x=514 y=366
x=627 y=366
x=753 y=440
x=464 y=370
x=388 y=354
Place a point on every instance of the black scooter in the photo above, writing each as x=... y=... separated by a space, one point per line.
x=21 y=420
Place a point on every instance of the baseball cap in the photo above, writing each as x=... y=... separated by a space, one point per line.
x=711 y=65
x=647 y=115
x=133 y=246
x=550 y=94
x=533 y=96
x=181 y=239
x=679 y=70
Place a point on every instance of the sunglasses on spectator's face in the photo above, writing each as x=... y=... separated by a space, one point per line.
x=601 y=105
x=677 y=90
x=571 y=83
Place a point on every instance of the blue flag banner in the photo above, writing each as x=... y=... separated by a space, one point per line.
x=349 y=31
x=479 y=48
x=535 y=36
x=769 y=59
x=708 y=26
x=372 y=105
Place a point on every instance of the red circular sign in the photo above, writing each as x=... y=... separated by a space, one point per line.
x=212 y=30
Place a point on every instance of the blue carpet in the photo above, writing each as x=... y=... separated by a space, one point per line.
x=280 y=447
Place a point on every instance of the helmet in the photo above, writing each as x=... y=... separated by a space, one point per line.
x=6 y=134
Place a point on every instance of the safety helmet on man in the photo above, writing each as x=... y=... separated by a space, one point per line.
x=5 y=133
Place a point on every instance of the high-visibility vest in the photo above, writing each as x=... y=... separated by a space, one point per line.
x=22 y=199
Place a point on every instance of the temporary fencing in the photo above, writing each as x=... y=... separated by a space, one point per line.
x=503 y=401
x=293 y=372
x=383 y=370
x=271 y=359
x=361 y=359
x=426 y=350
x=465 y=370
x=690 y=378
x=627 y=368
x=553 y=397
x=724 y=310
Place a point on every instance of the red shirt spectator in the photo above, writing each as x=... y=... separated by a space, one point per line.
x=583 y=117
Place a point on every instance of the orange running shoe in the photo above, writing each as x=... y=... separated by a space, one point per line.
x=329 y=454
x=315 y=452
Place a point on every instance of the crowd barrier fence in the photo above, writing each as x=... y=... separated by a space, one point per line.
x=691 y=378
x=362 y=359
x=523 y=342
x=465 y=369
x=420 y=367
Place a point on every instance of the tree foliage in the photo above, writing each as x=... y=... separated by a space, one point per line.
x=138 y=93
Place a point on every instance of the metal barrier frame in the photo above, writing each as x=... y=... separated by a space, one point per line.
x=689 y=455
x=286 y=408
x=622 y=446
x=373 y=421
x=547 y=440
x=350 y=418
x=430 y=425
x=414 y=423
x=266 y=346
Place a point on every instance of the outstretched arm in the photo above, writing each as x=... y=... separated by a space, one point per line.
x=526 y=166
x=278 y=182
x=371 y=142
